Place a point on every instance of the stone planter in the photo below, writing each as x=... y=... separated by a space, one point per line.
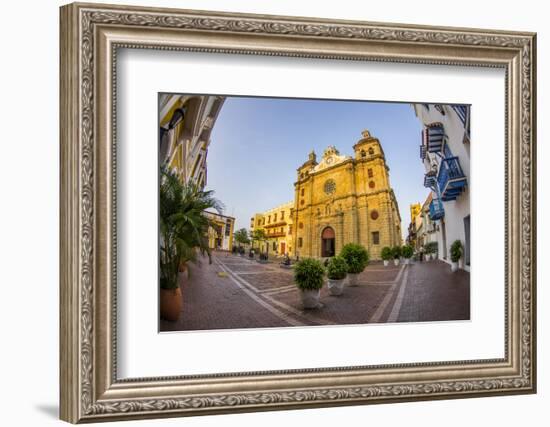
x=310 y=297
x=396 y=261
x=454 y=266
x=352 y=279
x=336 y=287
x=386 y=262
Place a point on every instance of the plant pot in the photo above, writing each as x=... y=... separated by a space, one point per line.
x=310 y=297
x=454 y=266
x=396 y=261
x=170 y=304
x=336 y=287
x=352 y=279
x=407 y=260
x=386 y=262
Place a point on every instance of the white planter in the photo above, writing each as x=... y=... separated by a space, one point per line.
x=310 y=297
x=336 y=287
x=407 y=260
x=352 y=279
x=396 y=261
x=386 y=262
x=428 y=257
x=454 y=266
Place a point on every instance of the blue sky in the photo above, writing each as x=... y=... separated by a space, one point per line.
x=258 y=143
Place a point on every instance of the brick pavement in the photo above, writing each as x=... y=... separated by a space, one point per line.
x=254 y=295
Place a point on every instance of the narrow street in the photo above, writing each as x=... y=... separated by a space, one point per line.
x=235 y=292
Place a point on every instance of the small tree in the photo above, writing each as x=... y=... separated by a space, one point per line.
x=337 y=268
x=308 y=274
x=241 y=237
x=396 y=252
x=386 y=253
x=407 y=251
x=456 y=251
x=356 y=256
x=258 y=235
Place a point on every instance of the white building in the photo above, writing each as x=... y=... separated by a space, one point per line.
x=445 y=152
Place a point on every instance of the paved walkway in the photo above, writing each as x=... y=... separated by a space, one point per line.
x=235 y=292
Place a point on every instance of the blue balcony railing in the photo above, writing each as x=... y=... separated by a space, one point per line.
x=436 y=210
x=433 y=137
x=423 y=152
x=450 y=179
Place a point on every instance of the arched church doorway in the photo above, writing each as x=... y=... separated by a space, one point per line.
x=328 y=242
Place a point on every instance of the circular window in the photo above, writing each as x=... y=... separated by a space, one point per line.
x=301 y=225
x=374 y=214
x=330 y=186
x=371 y=184
x=302 y=202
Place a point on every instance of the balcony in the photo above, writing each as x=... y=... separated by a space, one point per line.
x=433 y=136
x=436 y=210
x=423 y=152
x=450 y=179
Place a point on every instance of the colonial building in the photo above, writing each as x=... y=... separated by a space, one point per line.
x=277 y=226
x=220 y=235
x=445 y=152
x=343 y=199
x=186 y=122
x=422 y=229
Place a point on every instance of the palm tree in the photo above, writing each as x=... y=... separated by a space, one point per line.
x=183 y=225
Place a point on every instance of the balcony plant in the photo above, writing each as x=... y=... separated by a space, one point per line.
x=396 y=254
x=357 y=258
x=337 y=270
x=456 y=254
x=183 y=235
x=386 y=255
x=308 y=276
x=407 y=252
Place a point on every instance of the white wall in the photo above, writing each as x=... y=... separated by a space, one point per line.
x=29 y=171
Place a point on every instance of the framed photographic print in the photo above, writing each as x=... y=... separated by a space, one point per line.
x=266 y=212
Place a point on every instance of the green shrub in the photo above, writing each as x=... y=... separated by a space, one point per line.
x=308 y=274
x=386 y=253
x=430 y=248
x=407 y=251
x=396 y=252
x=356 y=256
x=337 y=268
x=456 y=251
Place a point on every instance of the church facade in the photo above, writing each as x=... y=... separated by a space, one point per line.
x=343 y=199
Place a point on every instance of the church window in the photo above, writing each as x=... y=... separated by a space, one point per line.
x=275 y=218
x=282 y=215
x=375 y=238
x=371 y=151
x=369 y=172
x=302 y=192
x=371 y=184
x=300 y=242
x=374 y=214
x=330 y=186
x=363 y=153
x=301 y=225
x=302 y=201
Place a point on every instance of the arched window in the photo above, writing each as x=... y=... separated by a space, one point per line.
x=371 y=151
x=363 y=153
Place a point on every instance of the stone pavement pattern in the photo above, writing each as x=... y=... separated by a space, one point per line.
x=234 y=293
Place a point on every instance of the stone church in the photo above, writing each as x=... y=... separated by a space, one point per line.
x=343 y=199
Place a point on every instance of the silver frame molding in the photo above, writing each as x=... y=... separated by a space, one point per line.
x=90 y=37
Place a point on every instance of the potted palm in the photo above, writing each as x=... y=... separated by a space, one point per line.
x=308 y=276
x=337 y=270
x=357 y=258
x=396 y=253
x=407 y=252
x=456 y=254
x=183 y=236
x=386 y=255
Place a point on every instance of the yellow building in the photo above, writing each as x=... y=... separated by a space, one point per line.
x=345 y=199
x=277 y=226
x=186 y=122
x=220 y=235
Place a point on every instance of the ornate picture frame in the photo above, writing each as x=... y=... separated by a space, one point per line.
x=90 y=37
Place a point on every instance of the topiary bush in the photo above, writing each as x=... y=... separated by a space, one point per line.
x=456 y=251
x=337 y=268
x=396 y=252
x=356 y=256
x=386 y=253
x=308 y=274
x=407 y=251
